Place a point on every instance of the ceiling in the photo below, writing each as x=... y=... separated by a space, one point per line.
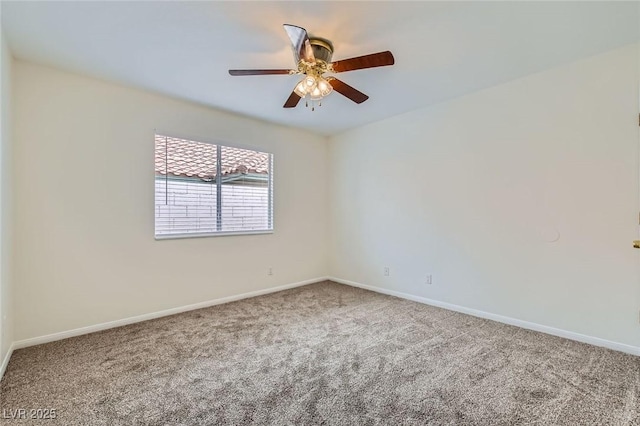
x=442 y=49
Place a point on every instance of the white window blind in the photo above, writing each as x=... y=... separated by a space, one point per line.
x=205 y=189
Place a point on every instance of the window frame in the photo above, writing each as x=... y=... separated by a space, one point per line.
x=219 y=144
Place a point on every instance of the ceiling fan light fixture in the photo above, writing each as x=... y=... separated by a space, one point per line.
x=301 y=89
x=324 y=87
x=314 y=87
x=315 y=94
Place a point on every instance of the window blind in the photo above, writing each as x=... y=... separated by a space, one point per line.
x=207 y=189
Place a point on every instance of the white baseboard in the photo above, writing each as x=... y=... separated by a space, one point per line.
x=139 y=318
x=634 y=350
x=5 y=361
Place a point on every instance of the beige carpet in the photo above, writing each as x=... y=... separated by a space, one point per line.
x=324 y=353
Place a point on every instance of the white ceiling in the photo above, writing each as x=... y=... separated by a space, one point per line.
x=442 y=49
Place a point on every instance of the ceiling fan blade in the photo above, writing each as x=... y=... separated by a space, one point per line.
x=292 y=101
x=379 y=59
x=344 y=89
x=300 y=43
x=258 y=72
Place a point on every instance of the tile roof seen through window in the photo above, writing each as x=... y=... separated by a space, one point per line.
x=191 y=159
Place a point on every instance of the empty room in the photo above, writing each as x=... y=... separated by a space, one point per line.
x=342 y=213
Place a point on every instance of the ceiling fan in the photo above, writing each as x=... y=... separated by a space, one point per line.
x=313 y=59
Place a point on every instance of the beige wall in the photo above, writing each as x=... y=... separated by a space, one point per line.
x=521 y=200
x=6 y=305
x=84 y=249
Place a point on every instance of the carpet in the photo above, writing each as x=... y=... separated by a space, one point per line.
x=322 y=354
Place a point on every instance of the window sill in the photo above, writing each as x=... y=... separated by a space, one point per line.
x=210 y=234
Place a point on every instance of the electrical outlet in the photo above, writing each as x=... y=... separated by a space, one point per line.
x=429 y=279
x=386 y=271
x=270 y=271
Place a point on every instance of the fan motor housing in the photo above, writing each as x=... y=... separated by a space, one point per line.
x=322 y=49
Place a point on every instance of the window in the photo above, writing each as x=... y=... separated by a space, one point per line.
x=206 y=189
